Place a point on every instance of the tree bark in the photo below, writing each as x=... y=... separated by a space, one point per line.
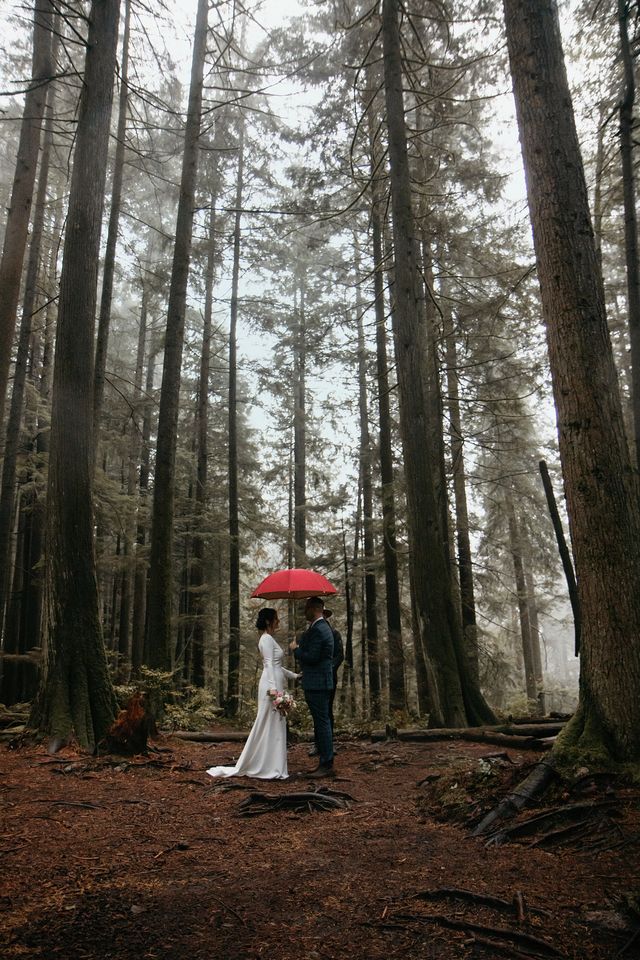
x=76 y=695
x=17 y=225
x=463 y=539
x=370 y=587
x=202 y=420
x=138 y=635
x=600 y=484
x=534 y=629
x=300 y=428
x=159 y=621
x=522 y=596
x=233 y=675
x=436 y=615
x=627 y=102
x=565 y=555
x=397 y=687
x=12 y=443
x=126 y=632
x=108 y=270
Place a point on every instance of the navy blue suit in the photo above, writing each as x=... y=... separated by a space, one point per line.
x=315 y=656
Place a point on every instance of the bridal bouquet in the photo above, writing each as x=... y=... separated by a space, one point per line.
x=282 y=701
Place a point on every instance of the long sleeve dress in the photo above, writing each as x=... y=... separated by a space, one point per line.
x=265 y=752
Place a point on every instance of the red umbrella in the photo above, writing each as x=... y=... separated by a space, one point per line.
x=294 y=584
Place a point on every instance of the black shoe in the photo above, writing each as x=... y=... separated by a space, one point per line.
x=313 y=752
x=322 y=770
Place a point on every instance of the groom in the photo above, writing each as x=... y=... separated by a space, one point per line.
x=315 y=655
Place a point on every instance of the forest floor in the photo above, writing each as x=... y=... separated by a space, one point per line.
x=150 y=858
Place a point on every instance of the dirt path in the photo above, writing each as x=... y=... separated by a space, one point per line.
x=138 y=860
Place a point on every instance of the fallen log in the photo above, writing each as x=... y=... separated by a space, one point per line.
x=526 y=736
x=532 y=786
x=198 y=736
x=579 y=812
x=222 y=736
x=472 y=735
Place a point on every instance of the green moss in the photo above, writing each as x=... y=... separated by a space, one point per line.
x=584 y=742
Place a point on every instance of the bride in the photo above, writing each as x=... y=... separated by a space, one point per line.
x=265 y=752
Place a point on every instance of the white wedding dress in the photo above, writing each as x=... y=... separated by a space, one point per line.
x=265 y=752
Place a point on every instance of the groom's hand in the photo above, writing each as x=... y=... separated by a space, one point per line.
x=293 y=645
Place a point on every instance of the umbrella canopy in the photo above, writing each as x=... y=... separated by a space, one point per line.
x=294 y=584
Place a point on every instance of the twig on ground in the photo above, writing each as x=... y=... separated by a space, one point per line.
x=212 y=896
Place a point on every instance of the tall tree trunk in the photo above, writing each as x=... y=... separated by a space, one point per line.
x=434 y=392
x=598 y=204
x=292 y=625
x=627 y=102
x=12 y=444
x=139 y=646
x=463 y=539
x=603 y=500
x=300 y=428
x=17 y=225
x=13 y=672
x=515 y=548
x=534 y=626
x=108 y=270
x=397 y=690
x=348 y=677
x=437 y=617
x=233 y=675
x=76 y=695
x=127 y=599
x=366 y=469
x=221 y=632
x=34 y=591
x=196 y=587
x=159 y=622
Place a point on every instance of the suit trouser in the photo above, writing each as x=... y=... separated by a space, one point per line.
x=318 y=703
x=332 y=697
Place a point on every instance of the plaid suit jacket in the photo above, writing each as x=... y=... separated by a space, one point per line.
x=315 y=656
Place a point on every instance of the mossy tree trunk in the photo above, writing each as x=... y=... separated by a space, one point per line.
x=76 y=695
x=601 y=487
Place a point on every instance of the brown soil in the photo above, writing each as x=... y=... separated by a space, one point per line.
x=150 y=857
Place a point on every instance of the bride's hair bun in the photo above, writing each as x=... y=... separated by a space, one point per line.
x=266 y=616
